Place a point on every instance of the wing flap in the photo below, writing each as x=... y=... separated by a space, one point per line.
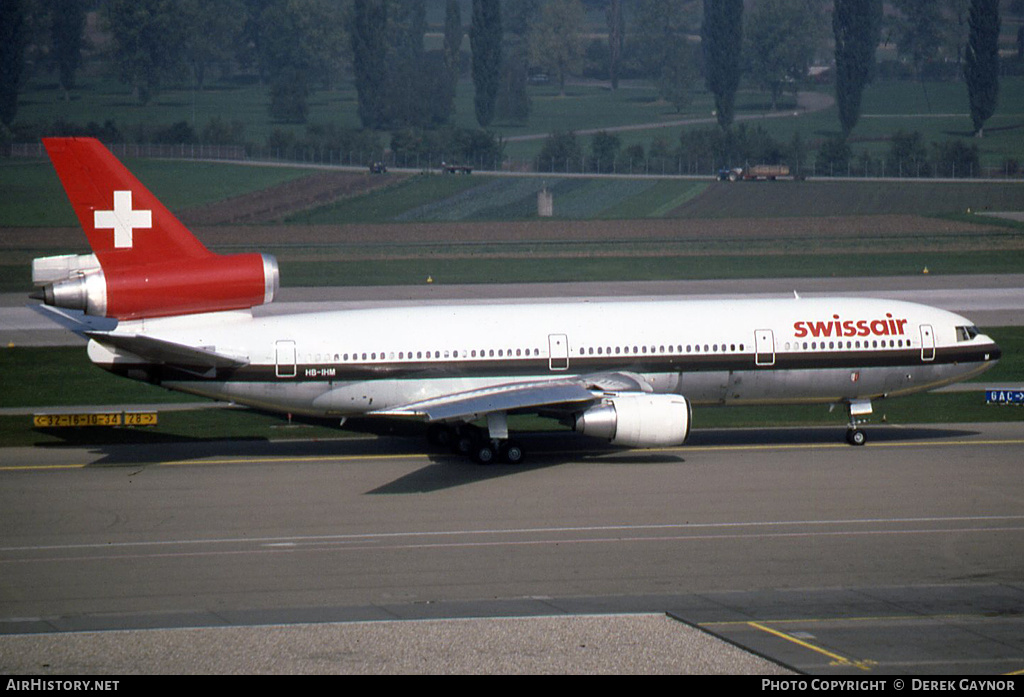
x=471 y=405
x=617 y=382
x=467 y=406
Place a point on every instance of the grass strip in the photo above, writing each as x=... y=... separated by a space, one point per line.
x=580 y=267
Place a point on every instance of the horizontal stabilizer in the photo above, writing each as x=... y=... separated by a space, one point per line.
x=75 y=320
x=167 y=352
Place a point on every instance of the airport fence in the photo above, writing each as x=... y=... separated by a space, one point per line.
x=668 y=166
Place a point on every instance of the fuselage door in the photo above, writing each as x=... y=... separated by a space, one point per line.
x=558 y=352
x=285 y=359
x=764 y=347
x=927 y=343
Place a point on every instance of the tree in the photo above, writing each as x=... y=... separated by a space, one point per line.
x=616 y=31
x=981 y=63
x=368 y=32
x=485 y=42
x=667 y=56
x=833 y=157
x=782 y=37
x=907 y=154
x=675 y=84
x=452 y=41
x=918 y=31
x=287 y=55
x=561 y=153
x=797 y=154
x=557 y=40
x=857 y=28
x=146 y=40
x=214 y=28
x=954 y=158
x=722 y=43
x=604 y=149
x=68 y=24
x=322 y=24
x=406 y=75
x=517 y=21
x=12 y=57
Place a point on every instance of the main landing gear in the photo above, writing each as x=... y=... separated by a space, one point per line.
x=477 y=443
x=487 y=452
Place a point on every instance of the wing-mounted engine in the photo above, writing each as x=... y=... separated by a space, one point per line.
x=638 y=419
x=209 y=284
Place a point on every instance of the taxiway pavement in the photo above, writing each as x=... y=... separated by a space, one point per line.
x=736 y=534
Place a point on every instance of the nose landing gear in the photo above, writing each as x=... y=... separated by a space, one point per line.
x=857 y=409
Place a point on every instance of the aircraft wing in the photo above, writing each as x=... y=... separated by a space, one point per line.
x=470 y=405
x=161 y=351
x=467 y=406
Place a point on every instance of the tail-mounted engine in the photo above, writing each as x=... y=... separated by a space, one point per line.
x=638 y=419
x=208 y=284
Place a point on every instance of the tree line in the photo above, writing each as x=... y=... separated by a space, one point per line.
x=297 y=46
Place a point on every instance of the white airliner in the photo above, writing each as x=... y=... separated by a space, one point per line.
x=626 y=371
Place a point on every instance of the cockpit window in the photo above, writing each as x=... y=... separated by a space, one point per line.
x=966 y=333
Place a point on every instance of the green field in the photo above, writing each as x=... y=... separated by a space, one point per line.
x=31 y=194
x=540 y=269
x=429 y=198
x=939 y=110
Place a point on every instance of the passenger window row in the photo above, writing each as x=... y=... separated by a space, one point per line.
x=364 y=356
x=660 y=349
x=635 y=350
x=874 y=343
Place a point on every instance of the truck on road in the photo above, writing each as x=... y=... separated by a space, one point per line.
x=753 y=172
x=449 y=168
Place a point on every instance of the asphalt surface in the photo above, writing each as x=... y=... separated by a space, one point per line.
x=787 y=543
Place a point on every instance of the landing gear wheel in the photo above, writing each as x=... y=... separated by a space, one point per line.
x=512 y=453
x=855 y=436
x=466 y=439
x=441 y=435
x=485 y=454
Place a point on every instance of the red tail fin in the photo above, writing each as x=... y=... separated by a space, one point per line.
x=124 y=221
x=150 y=264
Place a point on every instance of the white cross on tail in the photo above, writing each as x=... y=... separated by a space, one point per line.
x=123 y=220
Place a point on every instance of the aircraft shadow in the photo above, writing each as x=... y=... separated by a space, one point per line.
x=447 y=469
x=802 y=435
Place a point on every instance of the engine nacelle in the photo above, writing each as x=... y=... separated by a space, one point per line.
x=208 y=284
x=638 y=419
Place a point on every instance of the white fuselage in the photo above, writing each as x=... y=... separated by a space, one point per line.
x=364 y=361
